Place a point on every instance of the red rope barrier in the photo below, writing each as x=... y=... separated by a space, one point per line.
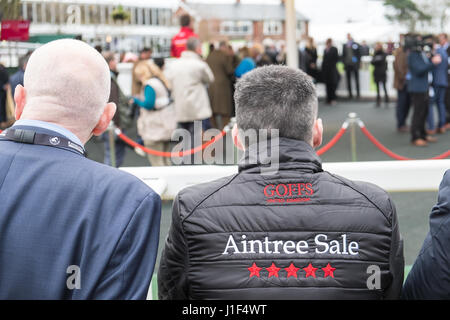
x=332 y=142
x=391 y=154
x=170 y=154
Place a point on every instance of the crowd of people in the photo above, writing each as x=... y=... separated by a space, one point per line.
x=73 y=228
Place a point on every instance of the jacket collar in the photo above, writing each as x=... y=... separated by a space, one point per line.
x=292 y=154
x=190 y=55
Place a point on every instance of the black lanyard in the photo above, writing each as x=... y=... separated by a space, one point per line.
x=32 y=137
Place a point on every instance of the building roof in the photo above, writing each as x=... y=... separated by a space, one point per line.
x=241 y=11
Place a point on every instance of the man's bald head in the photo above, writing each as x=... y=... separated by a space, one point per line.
x=67 y=82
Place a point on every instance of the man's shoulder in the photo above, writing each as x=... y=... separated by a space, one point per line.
x=373 y=194
x=191 y=197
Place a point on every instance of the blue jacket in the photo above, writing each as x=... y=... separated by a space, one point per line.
x=440 y=70
x=429 y=277
x=72 y=228
x=419 y=66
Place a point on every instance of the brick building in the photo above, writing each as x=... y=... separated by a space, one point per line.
x=241 y=21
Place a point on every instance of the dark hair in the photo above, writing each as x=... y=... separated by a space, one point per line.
x=277 y=97
x=146 y=49
x=185 y=20
x=159 y=62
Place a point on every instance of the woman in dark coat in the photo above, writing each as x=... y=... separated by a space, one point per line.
x=330 y=75
x=379 y=73
x=311 y=59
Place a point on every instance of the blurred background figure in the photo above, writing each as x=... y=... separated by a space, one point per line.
x=439 y=84
x=330 y=75
x=247 y=63
x=116 y=95
x=379 y=72
x=4 y=85
x=365 y=49
x=400 y=83
x=156 y=121
x=190 y=76
x=17 y=77
x=311 y=59
x=221 y=63
x=179 y=41
x=351 y=57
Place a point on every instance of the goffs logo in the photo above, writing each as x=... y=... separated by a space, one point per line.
x=288 y=192
x=54 y=141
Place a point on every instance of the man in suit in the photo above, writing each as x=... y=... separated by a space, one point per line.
x=71 y=228
x=330 y=74
x=351 y=57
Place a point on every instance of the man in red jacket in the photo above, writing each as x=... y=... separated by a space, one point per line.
x=180 y=39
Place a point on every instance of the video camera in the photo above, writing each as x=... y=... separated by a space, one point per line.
x=416 y=42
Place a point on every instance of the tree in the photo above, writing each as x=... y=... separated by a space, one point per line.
x=407 y=13
x=9 y=9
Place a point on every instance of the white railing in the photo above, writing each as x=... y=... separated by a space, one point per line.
x=393 y=176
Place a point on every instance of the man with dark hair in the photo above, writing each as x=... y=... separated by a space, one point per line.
x=293 y=233
x=180 y=39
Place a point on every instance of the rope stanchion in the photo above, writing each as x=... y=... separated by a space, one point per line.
x=334 y=140
x=168 y=154
x=388 y=152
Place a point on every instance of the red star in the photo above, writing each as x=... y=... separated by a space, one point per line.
x=329 y=271
x=292 y=270
x=310 y=271
x=273 y=270
x=254 y=270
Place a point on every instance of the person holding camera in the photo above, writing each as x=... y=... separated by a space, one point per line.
x=419 y=67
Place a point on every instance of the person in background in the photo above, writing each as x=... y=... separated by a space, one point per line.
x=247 y=63
x=330 y=74
x=116 y=95
x=429 y=277
x=190 y=76
x=221 y=63
x=156 y=121
x=4 y=85
x=419 y=66
x=365 y=50
x=17 y=77
x=379 y=72
x=400 y=83
x=439 y=84
x=351 y=57
x=179 y=41
x=136 y=86
x=311 y=59
x=443 y=38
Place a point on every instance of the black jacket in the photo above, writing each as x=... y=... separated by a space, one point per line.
x=429 y=277
x=380 y=66
x=301 y=233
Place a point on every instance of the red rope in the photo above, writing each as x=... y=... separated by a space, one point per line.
x=332 y=142
x=392 y=154
x=170 y=154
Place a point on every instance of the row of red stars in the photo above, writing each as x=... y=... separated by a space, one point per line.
x=291 y=270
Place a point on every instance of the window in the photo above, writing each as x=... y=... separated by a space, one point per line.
x=236 y=27
x=273 y=28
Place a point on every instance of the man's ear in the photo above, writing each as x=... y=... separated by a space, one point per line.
x=317 y=133
x=105 y=119
x=20 y=98
x=235 y=135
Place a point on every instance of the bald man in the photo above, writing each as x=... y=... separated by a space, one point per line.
x=71 y=228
